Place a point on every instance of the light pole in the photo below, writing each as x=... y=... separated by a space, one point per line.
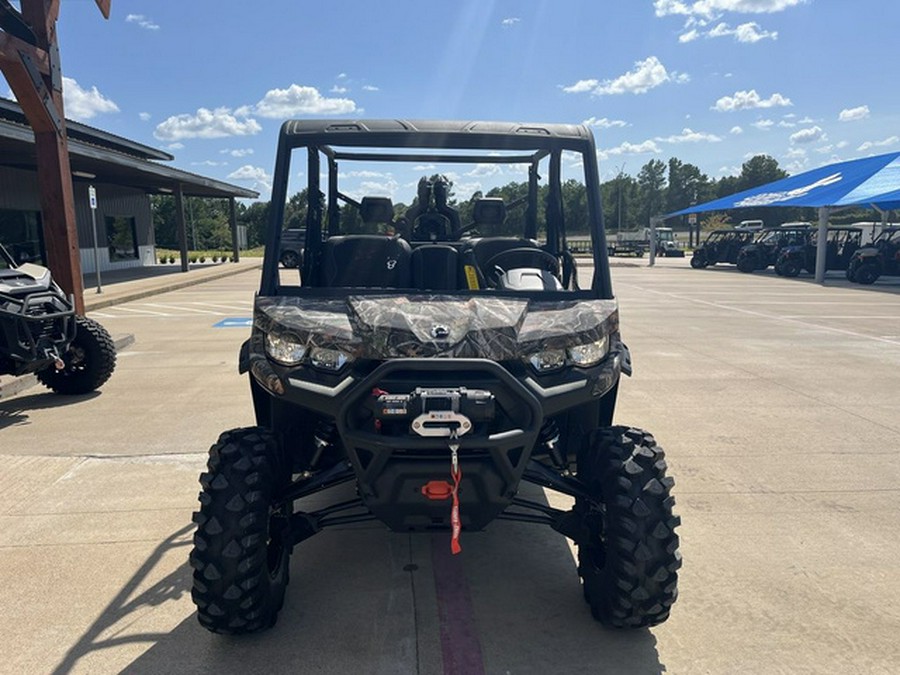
x=619 y=207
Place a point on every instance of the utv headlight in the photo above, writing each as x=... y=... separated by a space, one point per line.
x=547 y=360
x=329 y=359
x=590 y=354
x=284 y=348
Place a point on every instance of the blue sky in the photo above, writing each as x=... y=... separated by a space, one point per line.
x=712 y=82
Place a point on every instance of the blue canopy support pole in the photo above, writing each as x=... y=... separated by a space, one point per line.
x=822 y=243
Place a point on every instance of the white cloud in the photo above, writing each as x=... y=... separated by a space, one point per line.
x=238 y=152
x=690 y=36
x=710 y=9
x=736 y=130
x=83 y=104
x=627 y=148
x=854 y=114
x=484 y=170
x=748 y=100
x=424 y=167
x=339 y=90
x=342 y=76
x=511 y=21
x=174 y=146
x=795 y=153
x=369 y=87
x=142 y=21
x=690 y=136
x=209 y=162
x=256 y=176
x=301 y=100
x=784 y=124
x=581 y=86
x=808 y=135
x=763 y=125
x=868 y=145
x=746 y=32
x=364 y=174
x=604 y=123
x=144 y=116
x=206 y=123
x=646 y=75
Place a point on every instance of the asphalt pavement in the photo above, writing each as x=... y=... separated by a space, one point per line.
x=777 y=403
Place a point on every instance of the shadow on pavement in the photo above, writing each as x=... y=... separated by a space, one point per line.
x=363 y=600
x=15 y=410
x=123 y=609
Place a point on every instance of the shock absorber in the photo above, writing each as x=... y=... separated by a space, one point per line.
x=323 y=439
x=549 y=437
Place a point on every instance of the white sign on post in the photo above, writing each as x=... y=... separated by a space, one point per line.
x=92 y=197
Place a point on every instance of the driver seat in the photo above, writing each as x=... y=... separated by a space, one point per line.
x=489 y=214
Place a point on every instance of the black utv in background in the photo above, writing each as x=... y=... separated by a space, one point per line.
x=841 y=243
x=767 y=246
x=435 y=365
x=721 y=246
x=41 y=334
x=882 y=258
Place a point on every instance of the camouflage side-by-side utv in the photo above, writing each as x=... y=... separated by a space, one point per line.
x=436 y=354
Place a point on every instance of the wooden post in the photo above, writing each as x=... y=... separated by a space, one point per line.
x=32 y=69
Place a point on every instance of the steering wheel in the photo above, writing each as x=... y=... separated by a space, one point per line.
x=430 y=227
x=518 y=258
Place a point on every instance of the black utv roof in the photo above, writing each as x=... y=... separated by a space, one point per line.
x=433 y=133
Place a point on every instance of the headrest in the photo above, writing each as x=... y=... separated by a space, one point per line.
x=376 y=210
x=489 y=211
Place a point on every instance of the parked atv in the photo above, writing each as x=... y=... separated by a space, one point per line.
x=882 y=258
x=721 y=246
x=435 y=369
x=767 y=245
x=41 y=334
x=841 y=243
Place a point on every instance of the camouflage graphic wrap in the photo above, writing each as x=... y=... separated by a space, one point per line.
x=391 y=326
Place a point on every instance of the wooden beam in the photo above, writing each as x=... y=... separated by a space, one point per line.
x=104 y=6
x=11 y=47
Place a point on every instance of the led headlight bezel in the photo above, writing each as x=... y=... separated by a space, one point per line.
x=589 y=354
x=285 y=348
x=329 y=360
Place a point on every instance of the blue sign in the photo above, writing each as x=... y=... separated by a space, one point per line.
x=235 y=322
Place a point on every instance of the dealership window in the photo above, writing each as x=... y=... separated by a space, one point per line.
x=121 y=238
x=21 y=235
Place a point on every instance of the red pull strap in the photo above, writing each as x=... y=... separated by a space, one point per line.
x=454 y=513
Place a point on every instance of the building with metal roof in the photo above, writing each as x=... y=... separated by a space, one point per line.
x=124 y=174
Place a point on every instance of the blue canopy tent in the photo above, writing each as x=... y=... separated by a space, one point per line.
x=871 y=181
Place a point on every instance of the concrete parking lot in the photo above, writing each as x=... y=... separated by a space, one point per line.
x=777 y=401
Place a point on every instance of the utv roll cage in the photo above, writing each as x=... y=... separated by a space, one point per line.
x=329 y=143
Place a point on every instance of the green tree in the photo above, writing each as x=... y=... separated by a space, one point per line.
x=652 y=184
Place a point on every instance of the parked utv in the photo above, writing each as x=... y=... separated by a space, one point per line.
x=765 y=248
x=435 y=365
x=841 y=243
x=721 y=246
x=882 y=258
x=41 y=334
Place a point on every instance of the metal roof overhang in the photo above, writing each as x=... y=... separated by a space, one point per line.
x=109 y=166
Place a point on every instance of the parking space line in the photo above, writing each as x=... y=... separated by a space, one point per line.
x=763 y=315
x=140 y=311
x=189 y=310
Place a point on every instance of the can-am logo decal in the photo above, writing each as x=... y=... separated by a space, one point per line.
x=440 y=332
x=766 y=198
x=391 y=264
